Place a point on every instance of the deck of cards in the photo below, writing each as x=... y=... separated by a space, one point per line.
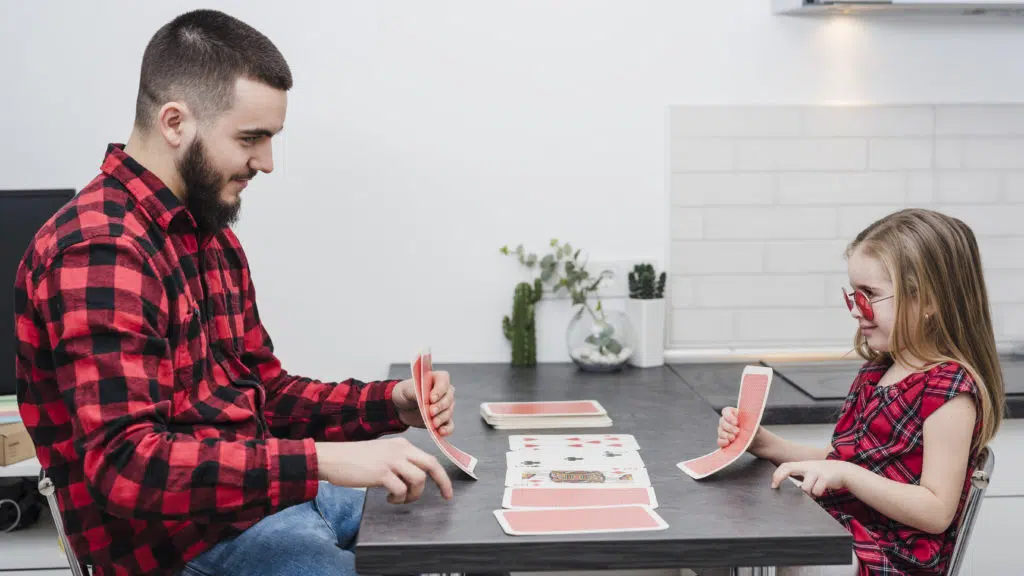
x=754 y=386
x=549 y=414
x=576 y=484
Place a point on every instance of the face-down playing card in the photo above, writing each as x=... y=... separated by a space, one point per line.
x=584 y=520
x=578 y=497
x=754 y=387
x=423 y=376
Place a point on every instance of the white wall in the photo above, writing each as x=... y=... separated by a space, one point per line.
x=545 y=118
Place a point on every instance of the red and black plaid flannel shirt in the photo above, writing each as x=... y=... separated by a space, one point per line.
x=882 y=429
x=150 y=387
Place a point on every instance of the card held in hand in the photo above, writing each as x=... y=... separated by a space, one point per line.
x=754 y=386
x=423 y=377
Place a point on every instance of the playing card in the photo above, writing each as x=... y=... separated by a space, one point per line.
x=587 y=520
x=600 y=459
x=572 y=477
x=423 y=377
x=556 y=408
x=623 y=441
x=754 y=386
x=577 y=497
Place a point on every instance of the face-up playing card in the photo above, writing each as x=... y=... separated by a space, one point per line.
x=423 y=378
x=572 y=477
x=601 y=459
x=556 y=408
x=580 y=496
x=622 y=441
x=596 y=520
x=754 y=386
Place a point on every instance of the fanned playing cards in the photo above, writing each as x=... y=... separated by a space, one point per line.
x=423 y=377
x=754 y=386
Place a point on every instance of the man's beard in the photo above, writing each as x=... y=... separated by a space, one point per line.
x=202 y=188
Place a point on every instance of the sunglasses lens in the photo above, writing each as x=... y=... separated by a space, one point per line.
x=864 y=305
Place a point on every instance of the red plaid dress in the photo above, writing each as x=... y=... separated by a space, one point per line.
x=881 y=428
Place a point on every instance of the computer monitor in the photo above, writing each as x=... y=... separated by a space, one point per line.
x=22 y=213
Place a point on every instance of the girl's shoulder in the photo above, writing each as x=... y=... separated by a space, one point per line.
x=941 y=383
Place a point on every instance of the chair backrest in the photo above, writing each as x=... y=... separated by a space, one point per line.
x=979 y=484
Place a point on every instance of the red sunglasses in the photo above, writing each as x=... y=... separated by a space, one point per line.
x=862 y=302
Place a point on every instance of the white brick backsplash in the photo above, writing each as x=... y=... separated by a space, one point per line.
x=854 y=219
x=920 y=188
x=797 y=154
x=969 y=187
x=743 y=222
x=687 y=223
x=874 y=121
x=1004 y=286
x=805 y=257
x=681 y=291
x=831 y=324
x=701 y=326
x=1014 y=187
x=703 y=155
x=989 y=220
x=765 y=199
x=949 y=154
x=1001 y=253
x=710 y=189
x=979 y=120
x=736 y=121
x=841 y=187
x=901 y=154
x=995 y=154
x=759 y=291
x=705 y=257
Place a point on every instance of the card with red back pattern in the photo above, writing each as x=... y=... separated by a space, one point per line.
x=584 y=520
x=754 y=386
x=423 y=376
x=578 y=497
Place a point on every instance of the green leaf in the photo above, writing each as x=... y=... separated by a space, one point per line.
x=613 y=346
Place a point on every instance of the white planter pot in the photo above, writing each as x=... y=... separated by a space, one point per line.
x=648 y=320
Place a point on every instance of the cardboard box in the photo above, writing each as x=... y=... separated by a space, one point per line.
x=15 y=444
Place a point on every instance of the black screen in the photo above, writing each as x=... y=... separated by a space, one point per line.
x=22 y=213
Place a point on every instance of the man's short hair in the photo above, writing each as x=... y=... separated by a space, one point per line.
x=198 y=57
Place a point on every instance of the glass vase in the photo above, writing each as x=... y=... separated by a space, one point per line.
x=600 y=341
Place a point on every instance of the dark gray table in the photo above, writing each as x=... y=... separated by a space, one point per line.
x=731 y=519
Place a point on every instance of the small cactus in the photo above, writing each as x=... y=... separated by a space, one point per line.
x=643 y=285
x=520 y=329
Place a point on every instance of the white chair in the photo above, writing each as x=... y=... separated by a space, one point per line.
x=979 y=484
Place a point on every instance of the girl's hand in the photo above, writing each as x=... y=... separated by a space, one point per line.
x=728 y=427
x=817 y=475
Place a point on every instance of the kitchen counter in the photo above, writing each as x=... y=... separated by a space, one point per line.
x=811 y=393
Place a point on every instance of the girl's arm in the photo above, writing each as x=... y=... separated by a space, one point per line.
x=778 y=450
x=929 y=507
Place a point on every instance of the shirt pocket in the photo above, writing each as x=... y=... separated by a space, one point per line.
x=190 y=348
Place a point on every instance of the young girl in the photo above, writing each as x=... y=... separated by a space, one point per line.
x=928 y=398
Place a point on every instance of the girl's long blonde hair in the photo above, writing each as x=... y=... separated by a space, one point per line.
x=941 y=304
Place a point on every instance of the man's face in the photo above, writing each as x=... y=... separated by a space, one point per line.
x=225 y=154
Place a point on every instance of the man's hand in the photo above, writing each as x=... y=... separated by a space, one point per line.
x=818 y=475
x=442 y=403
x=392 y=463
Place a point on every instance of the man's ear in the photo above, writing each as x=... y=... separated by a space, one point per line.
x=176 y=123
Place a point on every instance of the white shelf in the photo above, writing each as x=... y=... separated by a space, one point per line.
x=34 y=548
x=26 y=468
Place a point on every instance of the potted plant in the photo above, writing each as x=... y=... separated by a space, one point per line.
x=597 y=339
x=646 y=311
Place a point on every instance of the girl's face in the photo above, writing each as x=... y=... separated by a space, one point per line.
x=874 y=308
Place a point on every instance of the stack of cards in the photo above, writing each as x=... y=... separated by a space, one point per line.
x=754 y=386
x=423 y=377
x=554 y=414
x=576 y=484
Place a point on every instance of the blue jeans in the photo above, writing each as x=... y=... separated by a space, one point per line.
x=313 y=538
